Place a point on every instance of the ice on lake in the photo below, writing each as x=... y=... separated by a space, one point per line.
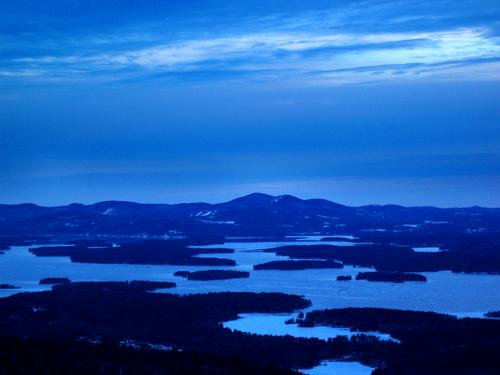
x=338 y=368
x=275 y=324
x=430 y=249
x=447 y=292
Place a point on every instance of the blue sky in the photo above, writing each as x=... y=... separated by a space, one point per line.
x=166 y=101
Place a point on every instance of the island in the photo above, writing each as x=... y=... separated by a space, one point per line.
x=493 y=314
x=155 y=252
x=464 y=256
x=54 y=280
x=289 y=265
x=392 y=277
x=344 y=278
x=8 y=286
x=212 y=275
x=6 y=242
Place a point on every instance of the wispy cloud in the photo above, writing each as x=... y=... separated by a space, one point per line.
x=294 y=54
x=359 y=42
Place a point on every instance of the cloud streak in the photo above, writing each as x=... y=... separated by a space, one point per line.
x=253 y=55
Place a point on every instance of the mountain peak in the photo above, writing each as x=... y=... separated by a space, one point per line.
x=286 y=199
x=253 y=198
x=261 y=199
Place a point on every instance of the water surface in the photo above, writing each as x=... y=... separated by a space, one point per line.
x=274 y=324
x=447 y=292
x=338 y=368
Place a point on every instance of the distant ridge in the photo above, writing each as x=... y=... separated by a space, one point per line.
x=252 y=214
x=252 y=198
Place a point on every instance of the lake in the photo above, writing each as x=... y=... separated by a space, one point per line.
x=339 y=368
x=274 y=324
x=446 y=292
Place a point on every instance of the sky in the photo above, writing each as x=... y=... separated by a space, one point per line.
x=359 y=102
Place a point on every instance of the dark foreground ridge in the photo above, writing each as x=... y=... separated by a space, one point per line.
x=72 y=314
x=29 y=356
x=119 y=311
x=393 y=277
x=431 y=343
x=297 y=265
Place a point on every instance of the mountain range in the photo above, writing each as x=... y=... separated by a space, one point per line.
x=255 y=214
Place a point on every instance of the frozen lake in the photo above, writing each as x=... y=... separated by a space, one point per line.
x=427 y=249
x=274 y=324
x=339 y=368
x=446 y=292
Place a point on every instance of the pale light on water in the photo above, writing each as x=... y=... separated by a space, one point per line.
x=274 y=324
x=338 y=368
x=427 y=249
